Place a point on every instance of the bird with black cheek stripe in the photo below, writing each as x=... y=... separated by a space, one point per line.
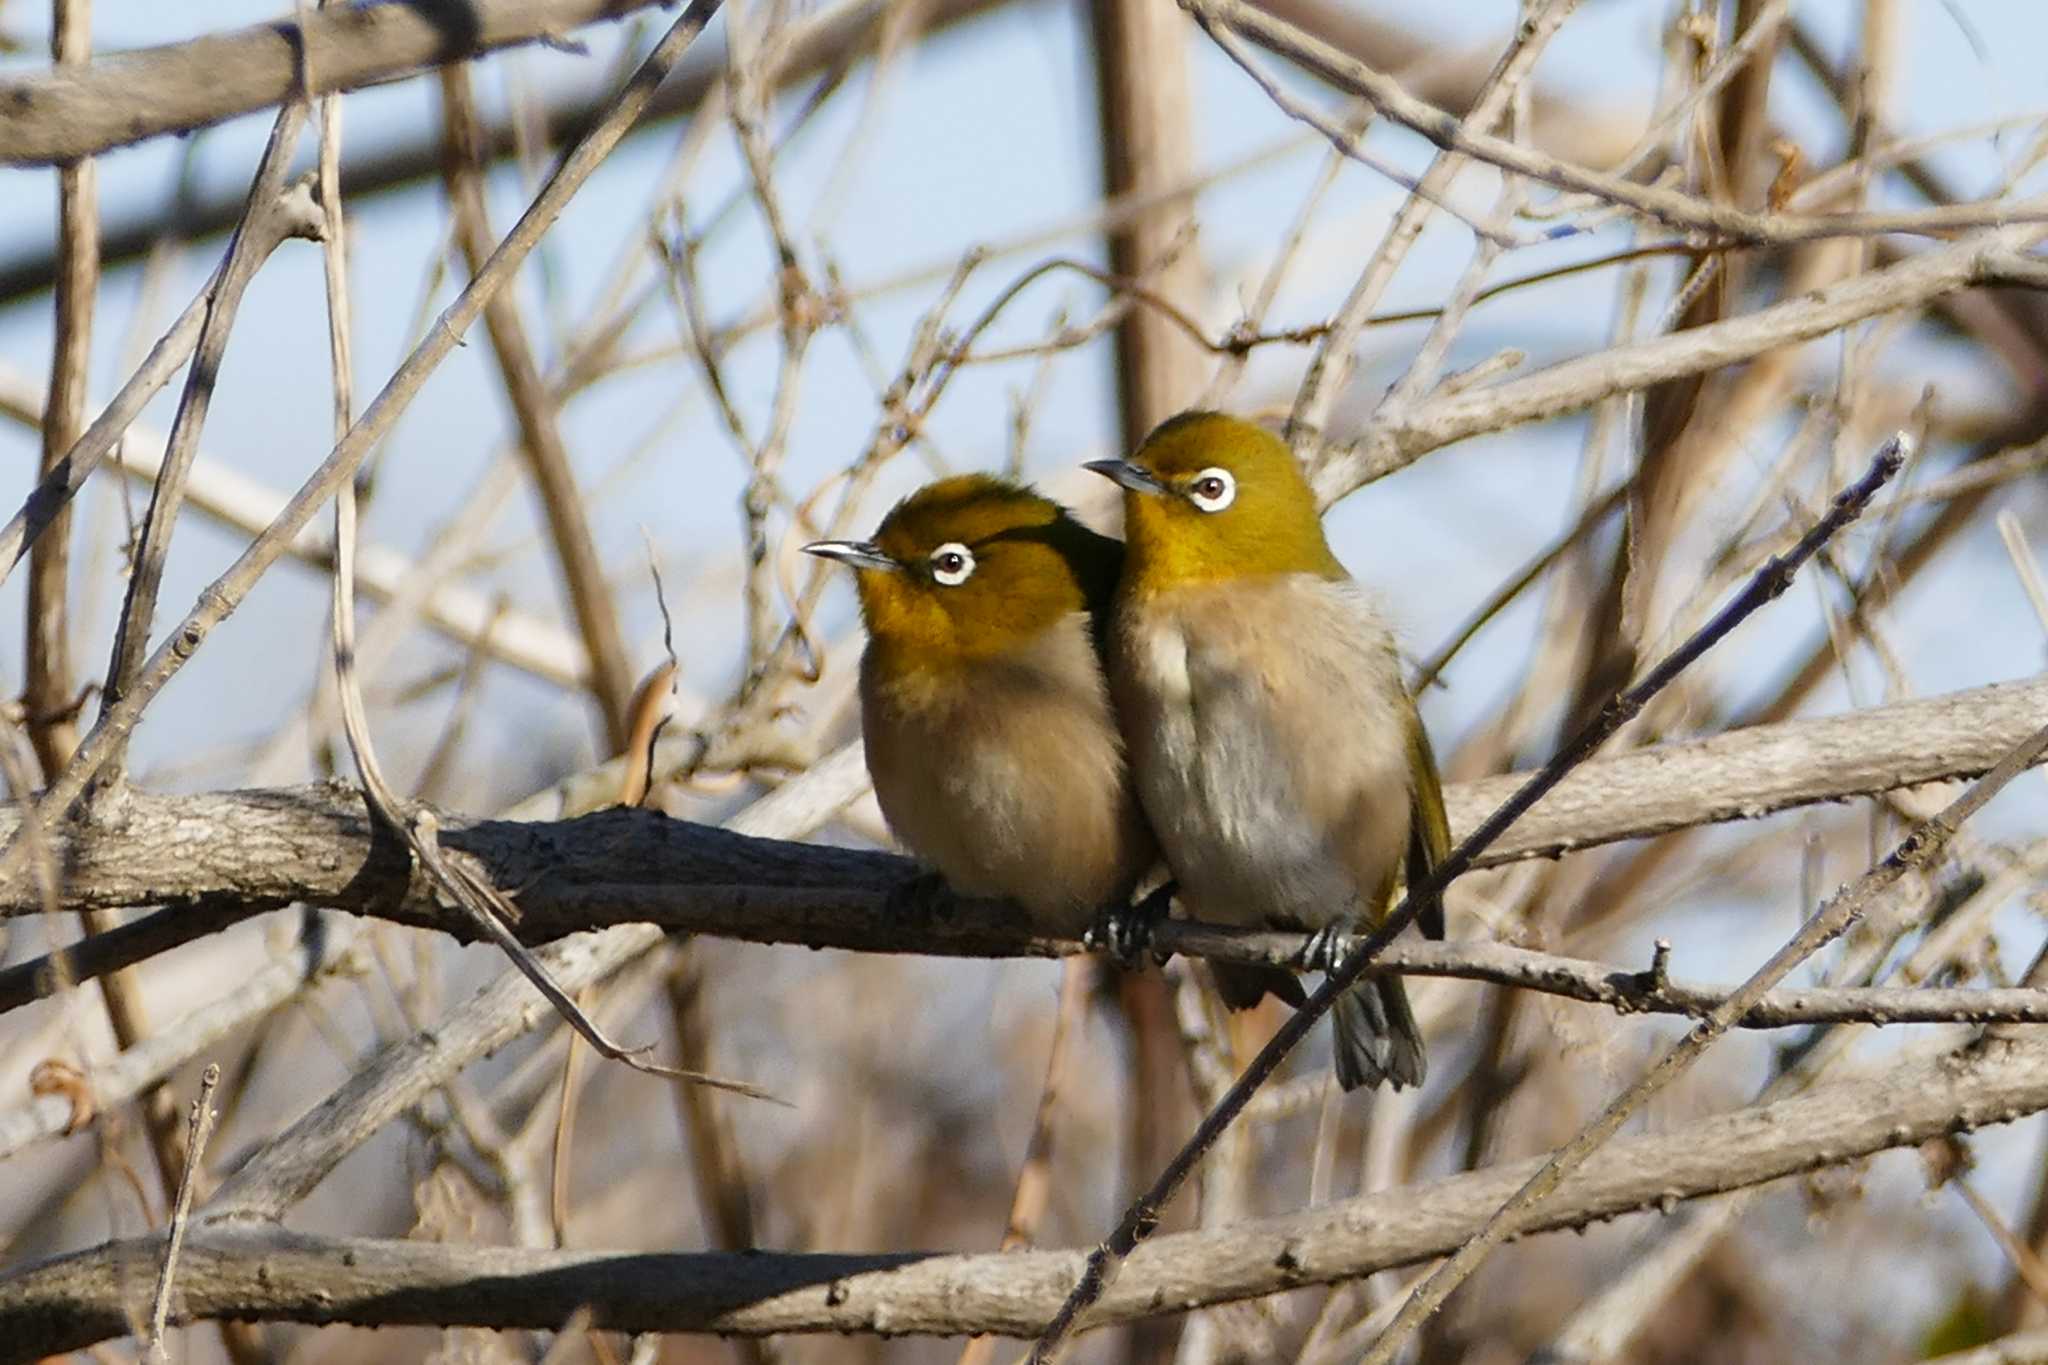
x=1274 y=745
x=995 y=756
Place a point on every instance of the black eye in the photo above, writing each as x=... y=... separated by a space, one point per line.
x=950 y=563
x=1211 y=487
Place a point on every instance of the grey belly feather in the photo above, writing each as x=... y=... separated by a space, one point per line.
x=1226 y=772
x=1227 y=813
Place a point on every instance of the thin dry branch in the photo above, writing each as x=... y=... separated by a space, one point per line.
x=293 y=215
x=46 y=692
x=1720 y=222
x=525 y=640
x=535 y=411
x=233 y=1269
x=123 y=945
x=1330 y=369
x=1573 y=384
x=53 y=116
x=246 y=255
x=196 y=1133
x=305 y=963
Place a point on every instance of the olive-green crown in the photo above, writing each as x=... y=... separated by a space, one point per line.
x=1034 y=565
x=1271 y=524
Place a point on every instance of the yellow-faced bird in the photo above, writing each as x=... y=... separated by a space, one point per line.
x=1274 y=746
x=990 y=738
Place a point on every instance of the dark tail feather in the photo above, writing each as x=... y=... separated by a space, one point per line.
x=1377 y=1038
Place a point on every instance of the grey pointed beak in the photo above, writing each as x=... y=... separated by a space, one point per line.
x=856 y=554
x=1131 y=476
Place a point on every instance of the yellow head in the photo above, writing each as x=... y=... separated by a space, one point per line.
x=1208 y=497
x=972 y=567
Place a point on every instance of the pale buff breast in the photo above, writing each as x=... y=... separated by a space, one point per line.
x=1007 y=777
x=1267 y=730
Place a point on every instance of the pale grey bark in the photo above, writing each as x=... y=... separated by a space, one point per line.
x=234 y=1269
x=57 y=114
x=316 y=843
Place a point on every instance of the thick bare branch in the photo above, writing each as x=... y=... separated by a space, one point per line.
x=56 y=115
x=315 y=844
x=241 y=1271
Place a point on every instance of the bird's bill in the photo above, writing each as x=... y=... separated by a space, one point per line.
x=1134 y=477
x=857 y=554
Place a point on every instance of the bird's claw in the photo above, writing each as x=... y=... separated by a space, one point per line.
x=1125 y=931
x=1320 y=953
x=923 y=897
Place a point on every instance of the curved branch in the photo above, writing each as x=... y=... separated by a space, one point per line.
x=261 y=1272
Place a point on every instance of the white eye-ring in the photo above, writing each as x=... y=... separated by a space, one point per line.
x=952 y=564
x=1212 y=490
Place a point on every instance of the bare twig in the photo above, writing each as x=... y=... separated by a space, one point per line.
x=540 y=434
x=143 y=1066
x=196 y=1133
x=1429 y=670
x=724 y=1188
x=44 y=503
x=46 y=692
x=491 y=913
x=2025 y=1263
x=1572 y=384
x=1331 y=367
x=523 y=639
x=244 y=256
x=1672 y=208
x=121 y=946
